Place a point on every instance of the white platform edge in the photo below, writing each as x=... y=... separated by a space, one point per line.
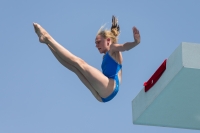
x=144 y=99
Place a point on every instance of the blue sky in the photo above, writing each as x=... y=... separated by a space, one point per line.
x=39 y=95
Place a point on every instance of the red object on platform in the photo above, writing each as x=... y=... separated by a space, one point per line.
x=154 y=78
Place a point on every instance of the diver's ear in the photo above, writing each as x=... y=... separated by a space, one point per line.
x=108 y=41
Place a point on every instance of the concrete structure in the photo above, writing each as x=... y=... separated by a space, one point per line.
x=174 y=101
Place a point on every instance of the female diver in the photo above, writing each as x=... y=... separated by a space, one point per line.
x=103 y=85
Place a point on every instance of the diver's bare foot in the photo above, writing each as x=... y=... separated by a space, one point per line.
x=42 y=33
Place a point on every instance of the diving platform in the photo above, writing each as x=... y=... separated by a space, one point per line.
x=173 y=98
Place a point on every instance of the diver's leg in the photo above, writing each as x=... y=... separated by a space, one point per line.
x=78 y=73
x=103 y=85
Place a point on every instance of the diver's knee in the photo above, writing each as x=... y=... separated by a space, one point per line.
x=80 y=63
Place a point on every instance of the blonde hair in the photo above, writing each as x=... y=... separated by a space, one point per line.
x=113 y=33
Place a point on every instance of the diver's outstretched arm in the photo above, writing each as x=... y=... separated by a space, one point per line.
x=128 y=45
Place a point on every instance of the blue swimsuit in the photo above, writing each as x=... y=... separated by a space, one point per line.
x=110 y=69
